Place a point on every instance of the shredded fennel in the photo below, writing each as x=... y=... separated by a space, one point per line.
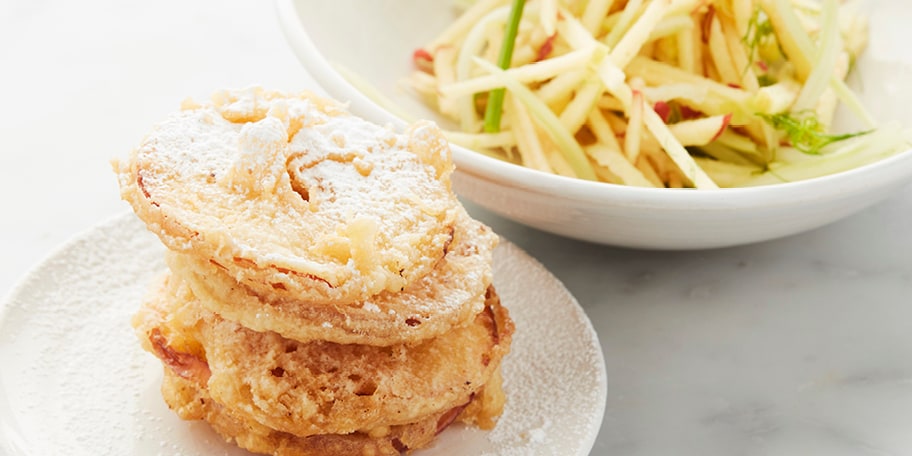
x=704 y=93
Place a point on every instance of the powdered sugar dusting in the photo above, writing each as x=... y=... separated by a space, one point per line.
x=359 y=170
x=555 y=375
x=294 y=183
x=73 y=315
x=72 y=367
x=261 y=164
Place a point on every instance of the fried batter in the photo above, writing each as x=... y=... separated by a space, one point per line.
x=327 y=293
x=449 y=296
x=192 y=402
x=322 y=387
x=292 y=192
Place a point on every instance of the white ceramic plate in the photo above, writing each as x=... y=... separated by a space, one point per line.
x=73 y=380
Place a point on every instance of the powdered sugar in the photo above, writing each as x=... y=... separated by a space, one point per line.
x=72 y=367
x=260 y=166
x=73 y=317
x=555 y=375
x=293 y=183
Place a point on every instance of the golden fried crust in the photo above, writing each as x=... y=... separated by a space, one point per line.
x=292 y=192
x=192 y=402
x=321 y=387
x=449 y=296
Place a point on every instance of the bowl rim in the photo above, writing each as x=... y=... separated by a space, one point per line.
x=879 y=174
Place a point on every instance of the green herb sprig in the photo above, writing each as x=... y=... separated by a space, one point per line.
x=804 y=131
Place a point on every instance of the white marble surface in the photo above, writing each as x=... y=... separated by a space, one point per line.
x=794 y=347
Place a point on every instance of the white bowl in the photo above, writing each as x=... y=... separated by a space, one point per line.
x=376 y=39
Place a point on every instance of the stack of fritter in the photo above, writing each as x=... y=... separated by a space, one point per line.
x=326 y=292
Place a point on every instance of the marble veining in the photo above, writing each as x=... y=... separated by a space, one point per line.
x=800 y=346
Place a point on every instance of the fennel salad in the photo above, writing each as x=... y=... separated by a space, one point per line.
x=656 y=93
